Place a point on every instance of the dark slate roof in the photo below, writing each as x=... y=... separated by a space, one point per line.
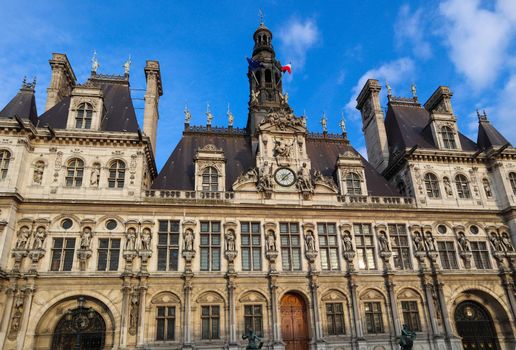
x=178 y=172
x=23 y=105
x=118 y=113
x=489 y=136
x=408 y=125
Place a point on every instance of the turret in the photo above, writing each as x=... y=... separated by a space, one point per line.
x=153 y=92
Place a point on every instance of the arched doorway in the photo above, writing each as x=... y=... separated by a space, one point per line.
x=475 y=326
x=81 y=328
x=294 y=324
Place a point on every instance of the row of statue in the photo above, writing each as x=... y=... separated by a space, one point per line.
x=39 y=171
x=24 y=238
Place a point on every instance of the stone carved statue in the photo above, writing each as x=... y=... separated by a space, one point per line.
x=310 y=241
x=430 y=242
x=254 y=97
x=95 y=175
x=254 y=341
x=39 y=238
x=86 y=236
x=39 y=169
x=487 y=188
x=347 y=242
x=23 y=238
x=384 y=242
x=447 y=186
x=418 y=242
x=133 y=314
x=230 y=241
x=284 y=98
x=130 y=242
x=127 y=65
x=464 y=242
x=271 y=241
x=188 y=115
x=407 y=338
x=506 y=241
x=265 y=177
x=304 y=180
x=497 y=242
x=282 y=148
x=188 y=241
x=146 y=239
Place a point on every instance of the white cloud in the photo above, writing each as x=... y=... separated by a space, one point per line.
x=408 y=29
x=296 y=38
x=502 y=115
x=478 y=38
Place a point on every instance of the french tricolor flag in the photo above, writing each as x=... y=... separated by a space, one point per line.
x=287 y=68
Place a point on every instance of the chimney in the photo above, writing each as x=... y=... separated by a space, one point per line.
x=152 y=94
x=368 y=103
x=62 y=81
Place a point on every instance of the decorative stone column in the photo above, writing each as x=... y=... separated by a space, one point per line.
x=126 y=290
x=231 y=285
x=7 y=311
x=318 y=334
x=28 y=294
x=187 y=292
x=393 y=308
x=277 y=343
x=142 y=291
x=359 y=333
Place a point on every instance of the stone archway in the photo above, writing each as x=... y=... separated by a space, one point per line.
x=294 y=322
x=475 y=325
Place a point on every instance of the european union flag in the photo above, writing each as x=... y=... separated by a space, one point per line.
x=253 y=65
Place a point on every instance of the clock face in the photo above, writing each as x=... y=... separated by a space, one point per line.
x=285 y=177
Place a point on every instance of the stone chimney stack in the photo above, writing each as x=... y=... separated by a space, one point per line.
x=368 y=103
x=62 y=81
x=152 y=94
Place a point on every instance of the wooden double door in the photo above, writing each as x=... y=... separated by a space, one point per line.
x=294 y=322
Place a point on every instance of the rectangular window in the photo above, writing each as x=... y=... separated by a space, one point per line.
x=328 y=246
x=411 y=315
x=373 y=314
x=109 y=254
x=364 y=246
x=335 y=317
x=481 y=255
x=210 y=322
x=210 y=246
x=62 y=254
x=447 y=254
x=253 y=318
x=290 y=246
x=166 y=323
x=400 y=246
x=168 y=245
x=251 y=246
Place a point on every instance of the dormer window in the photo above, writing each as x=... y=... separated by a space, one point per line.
x=84 y=116
x=210 y=179
x=116 y=174
x=353 y=184
x=448 y=138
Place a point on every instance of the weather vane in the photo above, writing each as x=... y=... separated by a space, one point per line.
x=230 y=116
x=261 y=15
x=94 y=62
x=209 y=115
x=324 y=122
x=342 y=123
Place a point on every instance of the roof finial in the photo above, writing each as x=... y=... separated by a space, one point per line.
x=342 y=123
x=389 y=89
x=34 y=82
x=24 y=82
x=188 y=115
x=209 y=115
x=230 y=117
x=127 y=65
x=94 y=62
x=324 y=123
x=413 y=89
x=261 y=15
x=482 y=117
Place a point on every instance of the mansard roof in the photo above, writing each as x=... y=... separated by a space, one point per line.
x=119 y=114
x=488 y=135
x=23 y=105
x=179 y=170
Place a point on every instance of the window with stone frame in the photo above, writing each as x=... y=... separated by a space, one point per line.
x=210 y=246
x=328 y=246
x=63 y=250
x=253 y=318
x=410 y=312
x=353 y=184
x=210 y=179
x=447 y=255
x=108 y=254
x=210 y=322
x=74 y=172
x=84 y=116
x=432 y=186
x=116 y=177
x=335 y=319
x=168 y=245
x=364 y=246
x=5 y=159
x=448 y=138
x=512 y=179
x=165 y=323
x=480 y=255
x=462 y=184
x=251 y=246
x=290 y=246
x=400 y=246
x=373 y=317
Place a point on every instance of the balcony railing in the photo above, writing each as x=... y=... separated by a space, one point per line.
x=374 y=200
x=193 y=195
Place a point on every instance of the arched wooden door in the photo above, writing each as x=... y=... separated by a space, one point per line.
x=294 y=324
x=475 y=326
x=80 y=329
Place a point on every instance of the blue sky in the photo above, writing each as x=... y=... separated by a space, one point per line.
x=334 y=46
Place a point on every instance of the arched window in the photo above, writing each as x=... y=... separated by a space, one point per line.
x=448 y=138
x=432 y=186
x=5 y=158
x=353 y=184
x=83 y=116
x=512 y=179
x=210 y=179
x=74 y=172
x=462 y=184
x=116 y=174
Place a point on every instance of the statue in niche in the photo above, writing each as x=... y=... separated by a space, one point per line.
x=86 y=238
x=310 y=241
x=39 y=169
x=464 y=242
x=418 y=242
x=265 y=177
x=133 y=315
x=271 y=241
x=347 y=242
x=146 y=238
x=39 y=238
x=430 y=242
x=95 y=175
x=130 y=243
x=188 y=240
x=447 y=186
x=282 y=148
x=506 y=241
x=384 y=242
x=304 y=180
x=230 y=241
x=487 y=188
x=497 y=242
x=23 y=238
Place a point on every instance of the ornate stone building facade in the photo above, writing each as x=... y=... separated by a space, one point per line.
x=290 y=233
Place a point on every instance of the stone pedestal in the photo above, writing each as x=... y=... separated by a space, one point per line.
x=129 y=256
x=144 y=256
x=466 y=257
x=18 y=255
x=83 y=255
x=35 y=255
x=350 y=256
